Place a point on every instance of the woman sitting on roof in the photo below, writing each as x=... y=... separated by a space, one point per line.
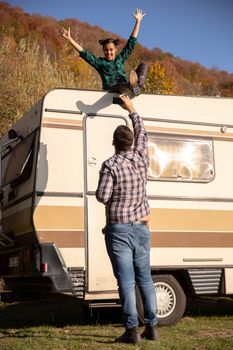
x=111 y=66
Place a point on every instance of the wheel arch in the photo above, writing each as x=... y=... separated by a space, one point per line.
x=182 y=277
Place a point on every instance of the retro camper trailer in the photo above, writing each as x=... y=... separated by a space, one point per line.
x=51 y=227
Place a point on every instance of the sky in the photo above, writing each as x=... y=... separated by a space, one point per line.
x=195 y=30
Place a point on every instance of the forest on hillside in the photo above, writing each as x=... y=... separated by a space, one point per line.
x=35 y=58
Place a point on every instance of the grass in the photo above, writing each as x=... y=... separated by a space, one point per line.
x=60 y=323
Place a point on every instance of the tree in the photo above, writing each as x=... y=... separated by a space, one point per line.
x=26 y=74
x=158 y=80
x=226 y=88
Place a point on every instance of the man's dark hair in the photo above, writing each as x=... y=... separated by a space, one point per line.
x=123 y=138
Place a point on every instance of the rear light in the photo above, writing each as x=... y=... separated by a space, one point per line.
x=44 y=267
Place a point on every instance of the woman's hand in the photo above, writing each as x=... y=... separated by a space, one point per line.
x=65 y=33
x=138 y=15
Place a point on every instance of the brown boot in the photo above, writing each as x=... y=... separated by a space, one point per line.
x=131 y=335
x=141 y=72
x=150 y=333
x=133 y=79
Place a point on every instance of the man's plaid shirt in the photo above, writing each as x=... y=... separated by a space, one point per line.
x=123 y=177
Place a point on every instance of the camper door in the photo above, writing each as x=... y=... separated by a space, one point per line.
x=98 y=131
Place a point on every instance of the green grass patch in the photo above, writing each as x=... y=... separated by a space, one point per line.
x=61 y=323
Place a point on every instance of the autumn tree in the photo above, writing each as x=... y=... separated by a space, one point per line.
x=35 y=58
x=158 y=80
x=226 y=88
x=26 y=74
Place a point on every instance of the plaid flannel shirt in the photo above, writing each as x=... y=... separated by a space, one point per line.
x=123 y=177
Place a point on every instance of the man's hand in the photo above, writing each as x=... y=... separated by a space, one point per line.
x=138 y=15
x=127 y=103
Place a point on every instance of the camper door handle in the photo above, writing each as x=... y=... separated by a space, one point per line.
x=92 y=161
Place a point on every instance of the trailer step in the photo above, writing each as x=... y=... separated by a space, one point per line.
x=103 y=304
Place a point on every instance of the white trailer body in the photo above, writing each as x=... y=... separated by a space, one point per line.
x=51 y=236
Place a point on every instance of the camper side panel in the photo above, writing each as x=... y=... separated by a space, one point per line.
x=59 y=209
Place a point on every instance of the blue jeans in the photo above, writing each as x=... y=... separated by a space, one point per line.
x=128 y=247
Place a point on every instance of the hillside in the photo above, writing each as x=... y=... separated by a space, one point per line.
x=34 y=58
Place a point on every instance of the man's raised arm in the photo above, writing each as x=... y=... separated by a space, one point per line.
x=140 y=135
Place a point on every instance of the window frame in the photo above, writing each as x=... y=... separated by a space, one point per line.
x=26 y=165
x=184 y=138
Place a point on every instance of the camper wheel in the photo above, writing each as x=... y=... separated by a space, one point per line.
x=171 y=300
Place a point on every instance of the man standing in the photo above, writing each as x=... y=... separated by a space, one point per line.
x=122 y=189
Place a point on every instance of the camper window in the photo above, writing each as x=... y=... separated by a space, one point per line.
x=18 y=161
x=180 y=159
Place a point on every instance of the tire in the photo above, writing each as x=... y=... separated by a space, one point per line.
x=171 y=300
